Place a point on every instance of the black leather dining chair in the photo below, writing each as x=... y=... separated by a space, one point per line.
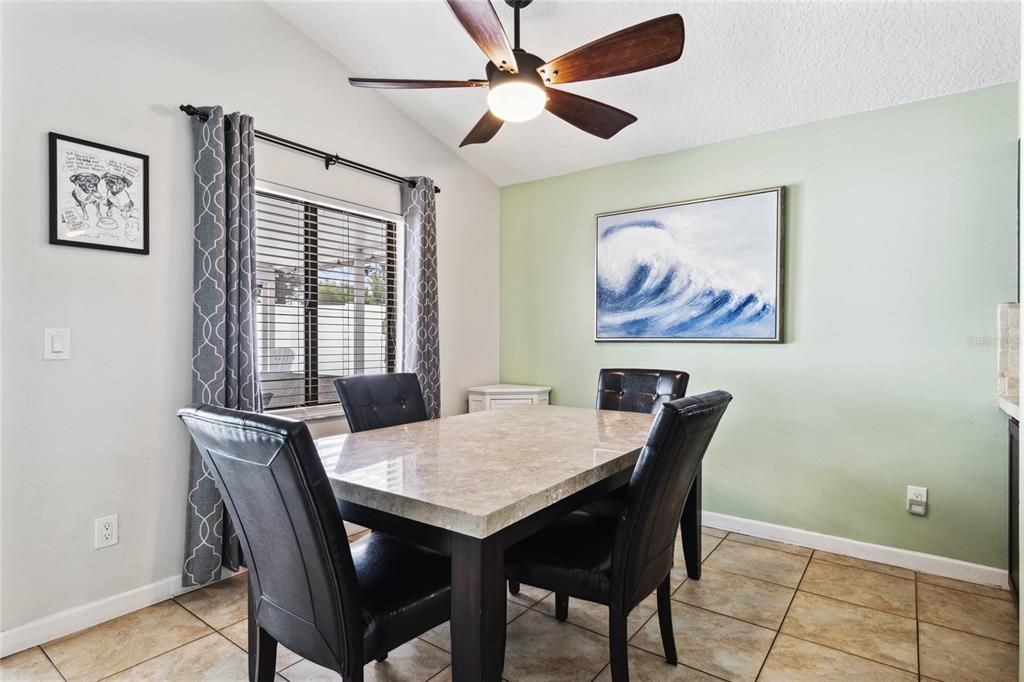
x=644 y=391
x=338 y=605
x=619 y=561
x=639 y=390
x=373 y=401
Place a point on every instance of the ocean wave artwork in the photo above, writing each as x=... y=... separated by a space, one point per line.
x=704 y=270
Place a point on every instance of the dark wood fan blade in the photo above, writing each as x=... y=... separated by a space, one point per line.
x=484 y=130
x=483 y=26
x=653 y=43
x=588 y=115
x=407 y=84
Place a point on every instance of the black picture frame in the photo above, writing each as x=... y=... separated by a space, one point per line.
x=57 y=212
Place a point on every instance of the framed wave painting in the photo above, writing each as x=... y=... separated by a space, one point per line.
x=706 y=270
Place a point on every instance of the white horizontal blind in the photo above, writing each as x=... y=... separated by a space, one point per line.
x=326 y=280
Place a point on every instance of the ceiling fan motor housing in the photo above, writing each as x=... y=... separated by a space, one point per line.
x=527 y=73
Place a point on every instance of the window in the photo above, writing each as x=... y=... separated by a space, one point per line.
x=326 y=306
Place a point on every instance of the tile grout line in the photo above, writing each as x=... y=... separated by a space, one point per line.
x=814 y=556
x=438 y=673
x=969 y=594
x=205 y=634
x=685 y=580
x=184 y=644
x=850 y=603
x=826 y=646
x=864 y=606
x=203 y=620
x=802 y=639
x=970 y=634
x=849 y=653
x=678 y=587
x=53 y=663
x=916 y=618
x=735 y=538
x=889 y=613
x=744 y=575
x=765 y=580
x=434 y=646
x=778 y=630
x=863 y=568
x=736 y=618
x=957 y=589
x=917 y=627
x=605 y=667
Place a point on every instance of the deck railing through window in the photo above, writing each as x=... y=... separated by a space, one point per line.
x=327 y=303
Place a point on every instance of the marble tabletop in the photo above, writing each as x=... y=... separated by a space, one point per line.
x=478 y=473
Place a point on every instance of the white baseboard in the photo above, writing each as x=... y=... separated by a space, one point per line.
x=894 y=556
x=80 y=617
x=72 y=620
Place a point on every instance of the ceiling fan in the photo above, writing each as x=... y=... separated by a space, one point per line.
x=520 y=82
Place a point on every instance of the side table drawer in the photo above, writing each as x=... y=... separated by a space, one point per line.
x=498 y=403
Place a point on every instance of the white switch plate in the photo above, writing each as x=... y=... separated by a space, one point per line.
x=57 y=343
x=917 y=500
x=106 y=531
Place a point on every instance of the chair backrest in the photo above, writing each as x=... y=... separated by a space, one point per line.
x=639 y=390
x=278 y=497
x=373 y=401
x=664 y=474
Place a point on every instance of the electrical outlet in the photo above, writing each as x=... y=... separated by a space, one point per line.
x=106 y=531
x=917 y=500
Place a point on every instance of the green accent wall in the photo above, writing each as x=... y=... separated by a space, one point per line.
x=900 y=242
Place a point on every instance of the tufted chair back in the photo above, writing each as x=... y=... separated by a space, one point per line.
x=639 y=390
x=373 y=401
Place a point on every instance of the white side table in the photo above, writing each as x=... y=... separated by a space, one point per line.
x=499 y=396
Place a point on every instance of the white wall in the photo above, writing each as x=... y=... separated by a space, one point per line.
x=97 y=434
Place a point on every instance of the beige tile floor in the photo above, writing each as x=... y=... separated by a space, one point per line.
x=762 y=611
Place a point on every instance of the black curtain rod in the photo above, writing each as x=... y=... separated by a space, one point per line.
x=328 y=158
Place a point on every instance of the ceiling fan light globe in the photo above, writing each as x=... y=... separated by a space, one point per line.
x=516 y=102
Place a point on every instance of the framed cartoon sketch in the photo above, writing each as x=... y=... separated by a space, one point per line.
x=706 y=270
x=99 y=196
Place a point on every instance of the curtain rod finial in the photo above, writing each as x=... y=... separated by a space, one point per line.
x=190 y=110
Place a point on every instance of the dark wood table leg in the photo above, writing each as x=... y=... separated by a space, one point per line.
x=478 y=609
x=689 y=529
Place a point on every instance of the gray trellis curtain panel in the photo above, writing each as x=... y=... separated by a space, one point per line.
x=224 y=364
x=421 y=350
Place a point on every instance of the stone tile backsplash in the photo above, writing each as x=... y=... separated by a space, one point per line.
x=1009 y=350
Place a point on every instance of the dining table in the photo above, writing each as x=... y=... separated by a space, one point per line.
x=472 y=485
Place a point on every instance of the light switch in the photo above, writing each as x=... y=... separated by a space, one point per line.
x=56 y=343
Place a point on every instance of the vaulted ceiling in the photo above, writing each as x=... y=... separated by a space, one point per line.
x=747 y=67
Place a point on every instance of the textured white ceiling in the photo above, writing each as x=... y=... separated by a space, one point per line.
x=747 y=68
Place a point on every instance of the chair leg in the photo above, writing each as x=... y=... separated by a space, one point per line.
x=668 y=639
x=689 y=529
x=617 y=645
x=356 y=676
x=381 y=659
x=561 y=606
x=262 y=647
x=513 y=587
x=262 y=656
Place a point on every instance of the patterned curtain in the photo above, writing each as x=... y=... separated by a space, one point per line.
x=421 y=352
x=224 y=365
